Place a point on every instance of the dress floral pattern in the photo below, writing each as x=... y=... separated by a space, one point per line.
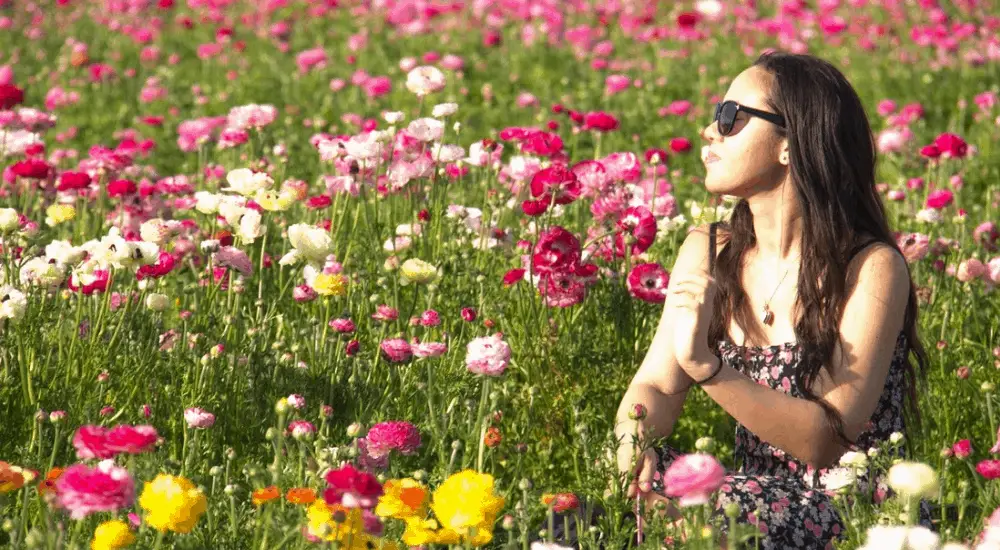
x=775 y=492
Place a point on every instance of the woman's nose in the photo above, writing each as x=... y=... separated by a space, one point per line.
x=709 y=133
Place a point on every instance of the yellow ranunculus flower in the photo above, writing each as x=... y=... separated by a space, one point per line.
x=402 y=499
x=420 y=532
x=417 y=271
x=112 y=535
x=343 y=525
x=172 y=503
x=465 y=503
x=330 y=284
x=274 y=202
x=59 y=213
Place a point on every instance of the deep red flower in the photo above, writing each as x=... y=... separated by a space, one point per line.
x=69 y=181
x=165 y=263
x=930 y=151
x=10 y=95
x=556 y=181
x=962 y=449
x=648 y=282
x=951 y=146
x=561 y=289
x=122 y=187
x=680 y=144
x=543 y=144
x=513 y=276
x=31 y=168
x=688 y=19
x=534 y=208
x=638 y=226
x=318 y=201
x=557 y=250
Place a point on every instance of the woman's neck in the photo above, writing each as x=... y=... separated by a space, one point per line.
x=777 y=223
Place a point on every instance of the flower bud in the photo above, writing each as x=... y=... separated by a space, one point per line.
x=229 y=489
x=354 y=430
x=508 y=522
x=525 y=484
x=987 y=387
x=215 y=470
x=637 y=412
x=705 y=445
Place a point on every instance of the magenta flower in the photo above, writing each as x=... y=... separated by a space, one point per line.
x=940 y=198
x=638 y=227
x=198 y=418
x=300 y=429
x=131 y=439
x=487 y=355
x=648 y=282
x=304 y=293
x=385 y=313
x=91 y=442
x=343 y=326
x=352 y=488
x=83 y=490
x=385 y=437
x=396 y=350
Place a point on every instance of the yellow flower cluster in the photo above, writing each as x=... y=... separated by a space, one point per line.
x=274 y=202
x=345 y=526
x=172 y=503
x=465 y=508
x=330 y=285
x=59 y=213
x=112 y=535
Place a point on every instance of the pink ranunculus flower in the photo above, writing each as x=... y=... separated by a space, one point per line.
x=296 y=401
x=970 y=270
x=385 y=437
x=304 y=293
x=198 y=418
x=352 y=488
x=396 y=350
x=648 y=282
x=996 y=446
x=693 y=478
x=83 y=490
x=940 y=198
x=343 y=326
x=429 y=349
x=131 y=439
x=300 y=429
x=488 y=355
x=92 y=442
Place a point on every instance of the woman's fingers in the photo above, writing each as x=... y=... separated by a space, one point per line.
x=646 y=474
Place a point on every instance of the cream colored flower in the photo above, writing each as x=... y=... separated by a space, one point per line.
x=157 y=302
x=40 y=271
x=154 y=231
x=9 y=220
x=444 y=109
x=207 y=203
x=913 y=479
x=246 y=182
x=417 y=271
x=311 y=243
x=64 y=253
x=251 y=226
x=425 y=80
x=13 y=303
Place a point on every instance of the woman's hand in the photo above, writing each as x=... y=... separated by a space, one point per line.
x=640 y=469
x=691 y=297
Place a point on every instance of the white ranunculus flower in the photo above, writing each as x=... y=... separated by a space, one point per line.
x=63 y=252
x=12 y=303
x=444 y=109
x=836 y=479
x=251 y=226
x=312 y=243
x=154 y=231
x=207 y=203
x=425 y=80
x=232 y=209
x=447 y=153
x=9 y=220
x=929 y=215
x=426 y=129
x=39 y=271
x=913 y=479
x=157 y=302
x=247 y=182
x=854 y=459
x=393 y=117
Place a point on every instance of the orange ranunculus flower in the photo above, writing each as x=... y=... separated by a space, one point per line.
x=260 y=496
x=11 y=477
x=493 y=437
x=301 y=495
x=48 y=485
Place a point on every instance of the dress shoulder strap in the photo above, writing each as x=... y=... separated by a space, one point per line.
x=858 y=248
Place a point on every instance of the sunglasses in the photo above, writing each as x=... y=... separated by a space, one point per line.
x=725 y=116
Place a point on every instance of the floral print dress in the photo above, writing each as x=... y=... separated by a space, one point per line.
x=781 y=496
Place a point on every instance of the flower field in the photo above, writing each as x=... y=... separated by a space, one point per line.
x=376 y=274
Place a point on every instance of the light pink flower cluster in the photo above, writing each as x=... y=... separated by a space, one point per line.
x=487 y=355
x=396 y=350
x=300 y=429
x=198 y=418
x=389 y=436
x=83 y=490
x=101 y=443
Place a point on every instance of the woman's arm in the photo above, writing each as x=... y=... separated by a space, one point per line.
x=660 y=384
x=878 y=291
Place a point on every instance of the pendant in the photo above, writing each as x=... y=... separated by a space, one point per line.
x=768 y=316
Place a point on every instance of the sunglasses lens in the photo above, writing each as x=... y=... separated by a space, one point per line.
x=726 y=115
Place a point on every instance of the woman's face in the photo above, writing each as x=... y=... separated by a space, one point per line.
x=753 y=156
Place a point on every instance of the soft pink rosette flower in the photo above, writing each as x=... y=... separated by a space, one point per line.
x=693 y=478
x=429 y=349
x=487 y=355
x=301 y=428
x=389 y=436
x=83 y=490
x=198 y=418
x=396 y=350
x=970 y=270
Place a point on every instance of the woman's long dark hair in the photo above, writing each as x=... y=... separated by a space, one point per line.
x=832 y=162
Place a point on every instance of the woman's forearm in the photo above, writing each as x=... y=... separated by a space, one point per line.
x=797 y=426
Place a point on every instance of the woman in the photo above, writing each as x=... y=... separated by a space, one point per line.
x=800 y=320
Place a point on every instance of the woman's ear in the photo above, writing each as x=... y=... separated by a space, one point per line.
x=783 y=157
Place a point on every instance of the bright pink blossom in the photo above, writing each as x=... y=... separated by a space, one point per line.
x=83 y=490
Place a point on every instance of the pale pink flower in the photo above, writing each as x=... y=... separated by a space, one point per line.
x=343 y=326
x=385 y=313
x=83 y=490
x=429 y=349
x=914 y=246
x=296 y=401
x=230 y=256
x=304 y=293
x=198 y=418
x=425 y=80
x=970 y=270
x=487 y=355
x=251 y=116
x=311 y=59
x=385 y=437
x=693 y=478
x=301 y=429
